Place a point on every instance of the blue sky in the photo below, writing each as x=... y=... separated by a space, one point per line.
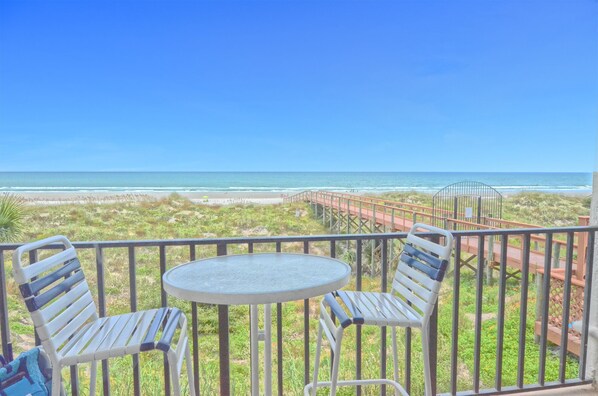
x=299 y=86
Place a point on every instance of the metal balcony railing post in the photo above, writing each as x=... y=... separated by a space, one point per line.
x=591 y=361
x=433 y=339
x=4 y=324
x=102 y=312
x=523 y=310
x=359 y=269
x=589 y=321
x=223 y=343
x=502 y=285
x=306 y=372
x=455 y=324
x=478 y=315
x=33 y=258
x=194 y=330
x=164 y=302
x=545 y=296
x=566 y=308
x=383 y=329
x=279 y=339
x=133 y=307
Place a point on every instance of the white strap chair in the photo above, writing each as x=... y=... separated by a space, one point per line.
x=415 y=287
x=65 y=319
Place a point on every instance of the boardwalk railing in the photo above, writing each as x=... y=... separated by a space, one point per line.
x=350 y=213
x=389 y=216
x=453 y=337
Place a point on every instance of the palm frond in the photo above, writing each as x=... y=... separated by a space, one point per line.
x=11 y=215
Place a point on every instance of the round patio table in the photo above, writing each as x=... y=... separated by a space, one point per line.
x=254 y=279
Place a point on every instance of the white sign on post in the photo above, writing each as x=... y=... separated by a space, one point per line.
x=468 y=213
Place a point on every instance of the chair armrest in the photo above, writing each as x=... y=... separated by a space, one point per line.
x=149 y=342
x=357 y=316
x=337 y=310
x=169 y=329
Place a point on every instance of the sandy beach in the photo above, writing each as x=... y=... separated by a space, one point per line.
x=106 y=197
x=41 y=198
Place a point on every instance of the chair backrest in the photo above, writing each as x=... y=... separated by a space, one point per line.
x=55 y=292
x=421 y=268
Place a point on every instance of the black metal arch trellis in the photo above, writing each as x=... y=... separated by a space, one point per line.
x=467 y=201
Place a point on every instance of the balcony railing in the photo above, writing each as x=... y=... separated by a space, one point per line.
x=468 y=349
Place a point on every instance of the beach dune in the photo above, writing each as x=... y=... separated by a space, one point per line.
x=106 y=197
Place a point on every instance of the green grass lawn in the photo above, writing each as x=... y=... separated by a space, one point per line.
x=178 y=218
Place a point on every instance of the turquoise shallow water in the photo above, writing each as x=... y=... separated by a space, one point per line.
x=285 y=181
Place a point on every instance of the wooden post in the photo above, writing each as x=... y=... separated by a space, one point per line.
x=536 y=247
x=331 y=210
x=360 y=218
x=539 y=300
x=373 y=229
x=556 y=255
x=489 y=260
x=340 y=216
x=373 y=256
x=384 y=217
x=455 y=207
x=582 y=248
x=348 y=221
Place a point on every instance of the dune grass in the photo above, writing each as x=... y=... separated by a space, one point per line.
x=548 y=210
x=543 y=209
x=176 y=217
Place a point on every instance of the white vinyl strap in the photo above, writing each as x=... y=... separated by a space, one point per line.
x=443 y=251
x=24 y=274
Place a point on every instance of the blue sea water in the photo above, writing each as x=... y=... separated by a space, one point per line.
x=285 y=181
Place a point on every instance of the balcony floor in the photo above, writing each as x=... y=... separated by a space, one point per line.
x=584 y=390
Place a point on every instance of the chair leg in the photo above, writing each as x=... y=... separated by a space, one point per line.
x=317 y=362
x=56 y=380
x=190 y=379
x=92 y=378
x=337 y=359
x=174 y=373
x=427 y=373
x=395 y=357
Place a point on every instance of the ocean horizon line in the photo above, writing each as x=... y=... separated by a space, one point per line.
x=503 y=189
x=281 y=182
x=307 y=171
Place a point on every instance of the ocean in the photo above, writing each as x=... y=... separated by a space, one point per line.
x=145 y=182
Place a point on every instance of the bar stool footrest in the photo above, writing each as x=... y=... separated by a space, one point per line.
x=381 y=381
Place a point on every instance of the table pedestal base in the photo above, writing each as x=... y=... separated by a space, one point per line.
x=256 y=337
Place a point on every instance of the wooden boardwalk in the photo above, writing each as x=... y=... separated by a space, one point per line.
x=399 y=217
x=355 y=213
